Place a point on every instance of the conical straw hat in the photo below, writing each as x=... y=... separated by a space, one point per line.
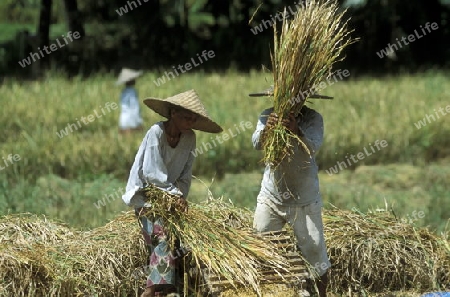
x=269 y=92
x=127 y=75
x=188 y=100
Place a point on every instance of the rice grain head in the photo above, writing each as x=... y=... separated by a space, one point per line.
x=303 y=56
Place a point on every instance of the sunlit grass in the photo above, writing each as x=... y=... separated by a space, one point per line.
x=363 y=111
x=402 y=188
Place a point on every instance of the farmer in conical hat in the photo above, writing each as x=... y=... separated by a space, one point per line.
x=290 y=191
x=130 y=115
x=165 y=159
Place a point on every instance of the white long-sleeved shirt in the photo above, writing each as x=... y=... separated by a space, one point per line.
x=295 y=180
x=157 y=163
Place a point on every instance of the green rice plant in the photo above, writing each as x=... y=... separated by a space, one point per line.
x=362 y=111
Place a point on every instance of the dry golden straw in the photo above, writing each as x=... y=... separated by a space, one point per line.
x=304 y=53
x=217 y=238
x=371 y=252
x=376 y=252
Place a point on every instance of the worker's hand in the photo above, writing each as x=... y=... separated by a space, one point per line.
x=182 y=204
x=271 y=120
x=291 y=124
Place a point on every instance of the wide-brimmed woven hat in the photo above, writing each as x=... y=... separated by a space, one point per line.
x=269 y=92
x=127 y=75
x=188 y=100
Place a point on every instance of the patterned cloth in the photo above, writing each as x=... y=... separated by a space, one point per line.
x=162 y=261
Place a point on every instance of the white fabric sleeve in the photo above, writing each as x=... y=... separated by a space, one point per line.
x=153 y=168
x=184 y=182
x=259 y=128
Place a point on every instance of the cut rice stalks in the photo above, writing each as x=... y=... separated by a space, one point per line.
x=373 y=252
x=304 y=53
x=217 y=238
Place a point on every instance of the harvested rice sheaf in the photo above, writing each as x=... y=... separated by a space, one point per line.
x=218 y=238
x=377 y=252
x=303 y=56
x=60 y=262
x=371 y=252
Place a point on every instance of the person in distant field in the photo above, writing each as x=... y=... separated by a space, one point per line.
x=164 y=159
x=290 y=192
x=130 y=115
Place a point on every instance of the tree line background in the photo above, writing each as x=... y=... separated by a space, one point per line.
x=158 y=34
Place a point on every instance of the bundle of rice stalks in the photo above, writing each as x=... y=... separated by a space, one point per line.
x=43 y=258
x=161 y=202
x=219 y=237
x=25 y=246
x=303 y=56
x=26 y=229
x=371 y=252
x=376 y=252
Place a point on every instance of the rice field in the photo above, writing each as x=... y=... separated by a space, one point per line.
x=364 y=110
x=66 y=177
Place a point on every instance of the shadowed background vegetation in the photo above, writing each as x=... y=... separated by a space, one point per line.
x=158 y=34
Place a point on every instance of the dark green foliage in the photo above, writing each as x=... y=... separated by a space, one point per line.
x=162 y=33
